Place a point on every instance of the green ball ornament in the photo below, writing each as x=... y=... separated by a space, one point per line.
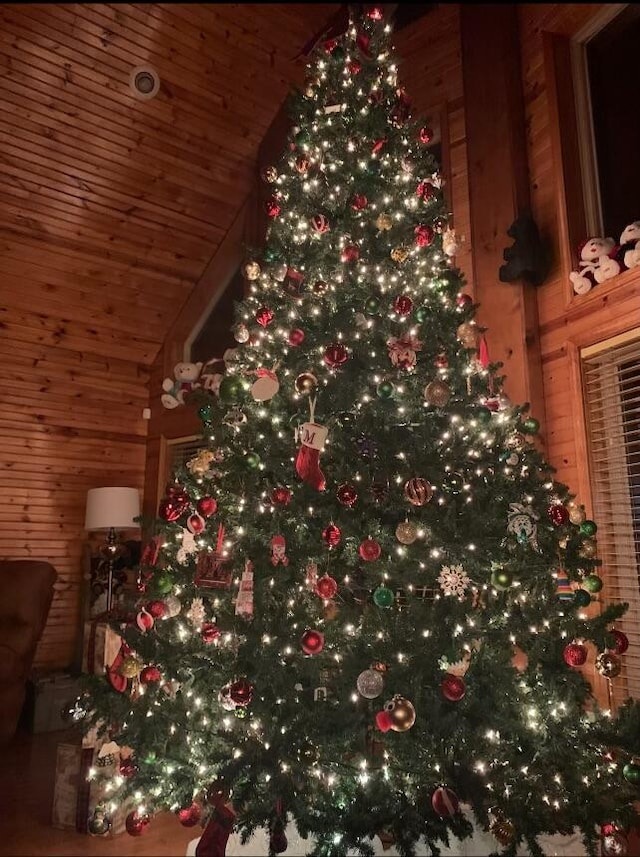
x=588 y=528
x=150 y=758
x=592 y=583
x=421 y=314
x=501 y=579
x=372 y=306
x=231 y=389
x=631 y=772
x=271 y=254
x=206 y=413
x=303 y=137
x=383 y=597
x=483 y=415
x=385 y=389
x=581 y=598
x=164 y=584
x=531 y=425
x=252 y=460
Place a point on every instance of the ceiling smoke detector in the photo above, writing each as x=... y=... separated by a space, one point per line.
x=144 y=82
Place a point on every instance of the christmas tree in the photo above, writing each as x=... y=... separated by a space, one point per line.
x=368 y=599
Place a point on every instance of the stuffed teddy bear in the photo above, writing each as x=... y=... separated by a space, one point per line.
x=597 y=264
x=186 y=380
x=629 y=253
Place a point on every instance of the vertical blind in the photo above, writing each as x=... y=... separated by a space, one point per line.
x=611 y=379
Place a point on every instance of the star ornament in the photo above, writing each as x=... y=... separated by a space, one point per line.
x=454 y=580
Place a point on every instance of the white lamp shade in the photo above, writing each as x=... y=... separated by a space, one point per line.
x=112 y=507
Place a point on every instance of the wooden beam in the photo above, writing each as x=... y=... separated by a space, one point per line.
x=499 y=191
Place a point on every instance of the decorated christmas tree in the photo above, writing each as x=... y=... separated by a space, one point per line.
x=367 y=602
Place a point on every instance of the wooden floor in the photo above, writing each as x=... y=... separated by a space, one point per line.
x=27 y=770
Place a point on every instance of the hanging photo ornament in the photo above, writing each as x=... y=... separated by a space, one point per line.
x=521 y=522
x=266 y=385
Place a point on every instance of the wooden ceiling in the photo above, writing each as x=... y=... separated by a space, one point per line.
x=111 y=206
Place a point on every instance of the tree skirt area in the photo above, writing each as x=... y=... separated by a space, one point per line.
x=479 y=845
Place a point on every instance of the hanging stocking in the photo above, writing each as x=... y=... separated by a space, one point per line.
x=213 y=842
x=313 y=437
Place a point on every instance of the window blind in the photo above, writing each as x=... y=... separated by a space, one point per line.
x=179 y=451
x=611 y=378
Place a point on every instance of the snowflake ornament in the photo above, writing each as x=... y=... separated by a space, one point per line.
x=196 y=613
x=454 y=580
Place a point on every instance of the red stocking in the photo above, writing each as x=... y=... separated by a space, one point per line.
x=308 y=467
x=213 y=842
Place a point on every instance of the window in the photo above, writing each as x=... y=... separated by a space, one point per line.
x=611 y=377
x=177 y=451
x=608 y=132
x=214 y=335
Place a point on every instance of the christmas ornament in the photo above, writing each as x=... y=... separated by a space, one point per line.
x=241 y=692
x=403 y=305
x=372 y=306
x=252 y=270
x=418 y=491
x=453 y=580
x=320 y=224
x=383 y=597
x=444 y=802
x=615 y=844
x=252 y=460
x=207 y=506
x=202 y=463
x=332 y=535
x=350 y=253
x=157 y=609
x=163 y=583
x=575 y=654
x=367 y=448
x=406 y=533
x=501 y=828
x=588 y=528
x=441 y=361
x=195 y=524
x=383 y=720
x=336 y=355
x=425 y=190
x=312 y=642
x=450 y=245
x=264 y=316
x=244 y=598
x=224 y=698
x=468 y=334
x=296 y=337
x=281 y=496
x=453 y=687
x=150 y=675
x=608 y=664
x=401 y=111
x=354 y=67
x=359 y=202
x=136 y=824
x=305 y=383
x=369 y=550
x=384 y=222
x=189 y=816
x=581 y=598
x=401 y=713
x=437 y=393
x=516 y=442
x=144 y=620
x=131 y=666
x=521 y=522
x=279 y=272
x=234 y=418
x=531 y=425
x=292 y=282
x=231 y=388
x=501 y=579
x=577 y=514
x=320 y=287
x=619 y=642
x=196 y=612
x=302 y=164
x=385 y=390
x=278 y=551
x=175 y=504
x=272 y=207
x=380 y=492
x=326 y=587
x=347 y=494
x=127 y=768
x=588 y=549
x=99 y=824
x=402 y=350
x=312 y=437
x=564 y=590
x=209 y=632
x=399 y=254
x=631 y=771
x=370 y=684
x=424 y=236
x=266 y=385
x=558 y=514
x=375 y=13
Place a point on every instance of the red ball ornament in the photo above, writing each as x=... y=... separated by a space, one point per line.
x=127 y=768
x=296 y=337
x=424 y=236
x=354 y=67
x=330 y=45
x=336 y=355
x=444 y=802
x=170 y=510
x=350 y=253
x=358 y=202
x=347 y=494
x=272 y=207
x=464 y=300
x=209 y=632
x=195 y=524
x=189 y=816
x=207 y=506
x=150 y=675
x=241 y=692
x=312 y=642
x=281 y=496
x=403 y=305
x=332 y=535
x=425 y=135
x=575 y=654
x=369 y=550
x=558 y=514
x=326 y=587
x=383 y=720
x=453 y=687
x=320 y=223
x=157 y=609
x=136 y=824
x=425 y=190
x=620 y=642
x=375 y=13
x=264 y=316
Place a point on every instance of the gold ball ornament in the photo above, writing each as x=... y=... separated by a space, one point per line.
x=502 y=829
x=270 y=174
x=437 y=393
x=400 y=254
x=384 y=222
x=609 y=664
x=588 y=549
x=406 y=533
x=401 y=713
x=468 y=335
x=252 y=270
x=131 y=667
x=577 y=514
x=305 y=383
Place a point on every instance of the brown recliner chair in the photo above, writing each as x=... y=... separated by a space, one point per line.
x=26 y=592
